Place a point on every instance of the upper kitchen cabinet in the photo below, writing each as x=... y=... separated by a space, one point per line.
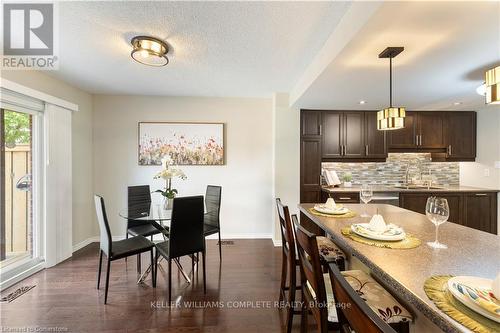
x=344 y=135
x=375 y=140
x=405 y=138
x=332 y=135
x=430 y=133
x=423 y=131
x=310 y=123
x=460 y=136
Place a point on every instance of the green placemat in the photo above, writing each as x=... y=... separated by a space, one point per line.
x=409 y=242
x=349 y=214
x=436 y=289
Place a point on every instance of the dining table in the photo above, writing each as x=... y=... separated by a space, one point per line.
x=403 y=272
x=159 y=216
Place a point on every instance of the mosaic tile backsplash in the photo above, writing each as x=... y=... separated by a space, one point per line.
x=393 y=171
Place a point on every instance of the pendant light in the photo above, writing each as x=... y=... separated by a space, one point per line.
x=391 y=118
x=492 y=84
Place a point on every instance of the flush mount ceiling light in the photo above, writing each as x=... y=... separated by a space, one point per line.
x=149 y=51
x=391 y=118
x=492 y=84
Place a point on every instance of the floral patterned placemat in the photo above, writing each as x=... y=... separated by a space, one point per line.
x=410 y=242
x=349 y=214
x=436 y=288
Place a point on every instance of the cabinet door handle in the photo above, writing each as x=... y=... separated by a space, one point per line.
x=481 y=194
x=366 y=150
x=449 y=150
x=416 y=139
x=320 y=129
x=420 y=139
x=345 y=198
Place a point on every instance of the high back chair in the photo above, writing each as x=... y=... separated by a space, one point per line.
x=211 y=223
x=186 y=235
x=118 y=249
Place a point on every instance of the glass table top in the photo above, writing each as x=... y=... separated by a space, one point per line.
x=146 y=212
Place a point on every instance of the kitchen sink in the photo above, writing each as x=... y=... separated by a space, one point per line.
x=418 y=187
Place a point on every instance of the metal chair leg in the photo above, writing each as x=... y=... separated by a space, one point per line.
x=107 y=282
x=204 y=273
x=99 y=271
x=220 y=248
x=153 y=269
x=169 y=281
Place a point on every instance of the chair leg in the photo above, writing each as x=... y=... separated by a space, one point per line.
x=204 y=272
x=126 y=237
x=153 y=269
x=303 y=316
x=220 y=248
x=291 y=298
x=156 y=268
x=284 y=270
x=99 y=271
x=169 y=281
x=107 y=282
x=139 y=264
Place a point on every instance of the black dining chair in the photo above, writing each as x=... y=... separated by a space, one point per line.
x=118 y=249
x=138 y=202
x=211 y=223
x=185 y=236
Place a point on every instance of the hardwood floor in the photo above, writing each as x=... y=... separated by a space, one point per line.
x=65 y=296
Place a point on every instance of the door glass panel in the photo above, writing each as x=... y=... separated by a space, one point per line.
x=17 y=232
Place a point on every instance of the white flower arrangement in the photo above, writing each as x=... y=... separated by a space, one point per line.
x=168 y=172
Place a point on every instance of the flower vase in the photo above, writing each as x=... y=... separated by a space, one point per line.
x=168 y=203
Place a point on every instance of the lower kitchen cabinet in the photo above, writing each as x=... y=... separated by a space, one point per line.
x=480 y=211
x=474 y=210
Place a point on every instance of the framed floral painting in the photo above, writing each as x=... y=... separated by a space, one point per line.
x=185 y=143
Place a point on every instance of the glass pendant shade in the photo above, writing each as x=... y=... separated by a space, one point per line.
x=391 y=119
x=493 y=86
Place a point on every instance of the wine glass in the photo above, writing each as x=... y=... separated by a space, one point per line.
x=438 y=212
x=365 y=195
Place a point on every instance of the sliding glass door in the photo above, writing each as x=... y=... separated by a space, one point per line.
x=19 y=191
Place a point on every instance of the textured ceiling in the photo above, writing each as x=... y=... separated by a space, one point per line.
x=217 y=48
x=448 y=47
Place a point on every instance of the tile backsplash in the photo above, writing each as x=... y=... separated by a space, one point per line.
x=393 y=171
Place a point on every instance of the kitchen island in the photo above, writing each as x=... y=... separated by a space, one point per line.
x=403 y=272
x=469 y=206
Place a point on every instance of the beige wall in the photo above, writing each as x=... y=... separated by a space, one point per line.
x=488 y=152
x=286 y=156
x=84 y=226
x=246 y=178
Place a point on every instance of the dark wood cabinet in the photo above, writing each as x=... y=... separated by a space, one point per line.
x=405 y=138
x=310 y=123
x=480 y=211
x=429 y=130
x=310 y=156
x=423 y=130
x=353 y=134
x=460 y=136
x=333 y=135
x=375 y=140
x=474 y=210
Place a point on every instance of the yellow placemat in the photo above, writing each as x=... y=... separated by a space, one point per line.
x=436 y=289
x=409 y=242
x=349 y=214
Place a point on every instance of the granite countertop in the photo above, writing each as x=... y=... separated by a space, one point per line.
x=390 y=188
x=470 y=252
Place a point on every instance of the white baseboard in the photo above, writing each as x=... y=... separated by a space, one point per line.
x=277 y=242
x=95 y=239
x=84 y=243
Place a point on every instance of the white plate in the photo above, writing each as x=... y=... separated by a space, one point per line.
x=473 y=282
x=393 y=234
x=338 y=211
